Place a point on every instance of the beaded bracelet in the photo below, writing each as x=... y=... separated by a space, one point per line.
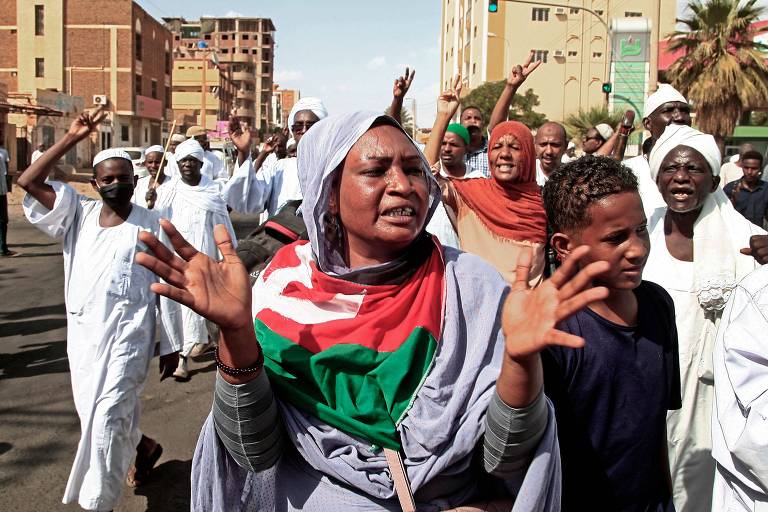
x=237 y=372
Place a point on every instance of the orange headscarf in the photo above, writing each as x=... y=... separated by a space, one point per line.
x=510 y=210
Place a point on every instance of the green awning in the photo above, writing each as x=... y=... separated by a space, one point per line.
x=750 y=132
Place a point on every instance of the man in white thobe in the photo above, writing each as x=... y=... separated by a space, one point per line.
x=110 y=315
x=194 y=206
x=213 y=167
x=740 y=419
x=664 y=107
x=269 y=188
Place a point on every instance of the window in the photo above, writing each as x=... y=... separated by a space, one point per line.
x=39 y=20
x=475 y=31
x=540 y=55
x=137 y=85
x=225 y=50
x=244 y=50
x=146 y=135
x=539 y=14
x=207 y=37
x=246 y=37
x=599 y=12
x=167 y=97
x=137 y=45
x=572 y=53
x=265 y=69
x=124 y=133
x=474 y=68
x=168 y=68
x=574 y=11
x=597 y=55
x=633 y=14
x=177 y=38
x=254 y=51
x=224 y=37
x=39 y=68
x=265 y=55
x=154 y=88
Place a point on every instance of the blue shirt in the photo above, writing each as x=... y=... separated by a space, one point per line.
x=478 y=160
x=611 y=399
x=752 y=204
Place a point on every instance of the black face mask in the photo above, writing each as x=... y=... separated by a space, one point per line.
x=117 y=193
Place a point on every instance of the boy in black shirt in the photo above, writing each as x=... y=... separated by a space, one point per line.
x=611 y=396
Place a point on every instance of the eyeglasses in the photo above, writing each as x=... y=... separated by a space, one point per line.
x=301 y=127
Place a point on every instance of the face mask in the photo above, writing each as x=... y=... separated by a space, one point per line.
x=116 y=193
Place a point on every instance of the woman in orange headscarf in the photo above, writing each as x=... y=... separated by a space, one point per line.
x=497 y=218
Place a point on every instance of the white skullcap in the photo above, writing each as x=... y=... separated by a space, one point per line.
x=189 y=147
x=664 y=94
x=308 y=103
x=110 y=153
x=157 y=148
x=680 y=135
x=604 y=130
x=177 y=137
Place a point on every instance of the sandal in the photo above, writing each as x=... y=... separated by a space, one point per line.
x=141 y=471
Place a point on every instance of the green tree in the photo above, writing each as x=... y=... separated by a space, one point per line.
x=576 y=125
x=722 y=71
x=522 y=109
x=406 y=119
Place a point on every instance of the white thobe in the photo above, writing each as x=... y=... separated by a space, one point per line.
x=213 y=168
x=541 y=178
x=689 y=439
x=194 y=211
x=110 y=336
x=740 y=419
x=163 y=193
x=646 y=187
x=249 y=191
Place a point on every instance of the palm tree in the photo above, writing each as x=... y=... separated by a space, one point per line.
x=576 y=125
x=722 y=71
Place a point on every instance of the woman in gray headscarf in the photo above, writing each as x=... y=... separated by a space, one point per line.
x=396 y=373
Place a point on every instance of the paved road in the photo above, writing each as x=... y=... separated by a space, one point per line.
x=39 y=428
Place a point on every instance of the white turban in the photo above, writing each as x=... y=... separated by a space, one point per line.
x=680 y=135
x=110 y=153
x=157 y=148
x=664 y=94
x=604 y=130
x=190 y=147
x=308 y=103
x=177 y=137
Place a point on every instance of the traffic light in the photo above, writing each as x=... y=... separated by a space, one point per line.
x=493 y=5
x=607 y=87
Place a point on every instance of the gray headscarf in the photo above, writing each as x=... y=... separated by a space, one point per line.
x=320 y=152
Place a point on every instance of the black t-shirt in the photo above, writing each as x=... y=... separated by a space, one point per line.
x=611 y=399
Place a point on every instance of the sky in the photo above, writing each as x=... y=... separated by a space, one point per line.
x=346 y=52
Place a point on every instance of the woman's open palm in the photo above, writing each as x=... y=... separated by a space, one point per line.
x=217 y=290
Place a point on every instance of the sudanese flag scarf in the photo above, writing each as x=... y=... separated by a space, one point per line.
x=353 y=355
x=514 y=211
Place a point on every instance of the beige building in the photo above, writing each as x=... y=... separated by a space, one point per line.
x=192 y=76
x=577 y=52
x=243 y=46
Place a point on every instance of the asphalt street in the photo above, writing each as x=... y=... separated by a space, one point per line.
x=39 y=429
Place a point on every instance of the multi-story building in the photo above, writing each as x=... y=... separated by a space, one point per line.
x=100 y=50
x=244 y=46
x=578 y=51
x=284 y=99
x=192 y=76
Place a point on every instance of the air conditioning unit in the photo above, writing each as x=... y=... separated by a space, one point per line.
x=560 y=11
x=559 y=53
x=100 y=99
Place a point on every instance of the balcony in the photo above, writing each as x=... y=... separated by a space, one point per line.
x=246 y=95
x=243 y=76
x=245 y=112
x=240 y=57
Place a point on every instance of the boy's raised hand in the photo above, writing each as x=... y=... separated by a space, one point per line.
x=530 y=315
x=86 y=123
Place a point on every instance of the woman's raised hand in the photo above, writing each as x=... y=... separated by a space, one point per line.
x=530 y=315
x=217 y=290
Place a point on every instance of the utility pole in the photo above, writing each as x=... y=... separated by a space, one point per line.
x=413 y=109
